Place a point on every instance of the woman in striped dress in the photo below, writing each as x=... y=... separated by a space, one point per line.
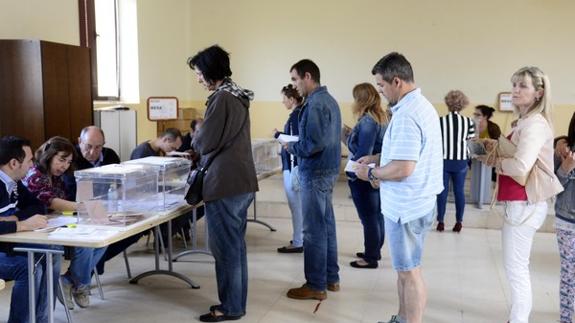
x=455 y=130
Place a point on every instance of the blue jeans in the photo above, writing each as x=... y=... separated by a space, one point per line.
x=15 y=267
x=226 y=219
x=294 y=203
x=82 y=264
x=319 y=240
x=456 y=170
x=367 y=202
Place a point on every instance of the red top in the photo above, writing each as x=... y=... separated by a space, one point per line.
x=509 y=189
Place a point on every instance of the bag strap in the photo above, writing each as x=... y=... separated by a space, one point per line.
x=228 y=144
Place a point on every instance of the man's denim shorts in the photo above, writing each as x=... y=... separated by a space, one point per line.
x=405 y=241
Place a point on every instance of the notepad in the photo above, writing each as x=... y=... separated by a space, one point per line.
x=59 y=221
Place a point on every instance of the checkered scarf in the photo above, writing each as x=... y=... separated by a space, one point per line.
x=230 y=86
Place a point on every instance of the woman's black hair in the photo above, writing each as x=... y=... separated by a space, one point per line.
x=213 y=62
x=487 y=111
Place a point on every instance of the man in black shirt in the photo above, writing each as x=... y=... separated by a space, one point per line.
x=167 y=141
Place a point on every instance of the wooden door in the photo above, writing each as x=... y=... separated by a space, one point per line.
x=56 y=90
x=21 y=94
x=79 y=90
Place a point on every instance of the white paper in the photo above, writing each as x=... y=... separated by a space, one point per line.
x=82 y=232
x=178 y=154
x=59 y=222
x=350 y=166
x=287 y=138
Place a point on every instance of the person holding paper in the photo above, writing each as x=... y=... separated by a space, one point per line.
x=365 y=139
x=410 y=175
x=45 y=180
x=292 y=101
x=21 y=211
x=319 y=154
x=525 y=200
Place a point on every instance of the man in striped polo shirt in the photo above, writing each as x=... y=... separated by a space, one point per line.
x=410 y=175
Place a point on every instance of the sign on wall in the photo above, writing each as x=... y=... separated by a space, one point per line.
x=162 y=108
x=505 y=104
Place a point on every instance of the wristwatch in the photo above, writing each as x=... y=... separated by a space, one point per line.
x=370 y=175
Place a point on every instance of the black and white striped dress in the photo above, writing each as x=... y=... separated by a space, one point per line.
x=456 y=130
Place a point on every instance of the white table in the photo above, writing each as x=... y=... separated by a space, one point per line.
x=111 y=236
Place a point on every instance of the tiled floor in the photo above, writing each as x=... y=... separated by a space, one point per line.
x=463 y=273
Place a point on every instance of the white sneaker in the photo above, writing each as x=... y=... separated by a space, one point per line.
x=82 y=296
x=66 y=299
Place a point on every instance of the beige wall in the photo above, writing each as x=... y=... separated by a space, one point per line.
x=471 y=45
x=55 y=21
x=474 y=46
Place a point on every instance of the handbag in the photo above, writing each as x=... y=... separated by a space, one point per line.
x=195 y=186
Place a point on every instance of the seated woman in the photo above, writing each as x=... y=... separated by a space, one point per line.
x=44 y=180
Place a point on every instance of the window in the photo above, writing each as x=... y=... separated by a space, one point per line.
x=109 y=29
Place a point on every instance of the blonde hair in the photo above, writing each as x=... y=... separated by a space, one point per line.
x=540 y=81
x=367 y=101
x=456 y=100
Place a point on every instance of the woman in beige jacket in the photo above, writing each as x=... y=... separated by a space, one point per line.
x=525 y=203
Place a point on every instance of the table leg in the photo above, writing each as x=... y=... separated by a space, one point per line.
x=255 y=219
x=157 y=270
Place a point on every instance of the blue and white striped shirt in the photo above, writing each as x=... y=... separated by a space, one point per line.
x=413 y=134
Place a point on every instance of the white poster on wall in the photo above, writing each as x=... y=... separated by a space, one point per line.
x=162 y=108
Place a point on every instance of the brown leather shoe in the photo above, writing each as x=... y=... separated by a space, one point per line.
x=305 y=292
x=333 y=287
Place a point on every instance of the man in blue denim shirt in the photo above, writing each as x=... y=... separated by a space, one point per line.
x=319 y=152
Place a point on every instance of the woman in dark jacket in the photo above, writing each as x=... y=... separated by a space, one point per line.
x=365 y=139
x=292 y=101
x=230 y=182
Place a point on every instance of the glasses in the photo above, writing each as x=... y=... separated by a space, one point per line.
x=476 y=114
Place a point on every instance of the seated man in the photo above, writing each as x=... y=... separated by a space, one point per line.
x=21 y=211
x=90 y=152
x=167 y=141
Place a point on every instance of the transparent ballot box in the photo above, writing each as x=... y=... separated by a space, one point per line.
x=172 y=178
x=266 y=153
x=118 y=194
